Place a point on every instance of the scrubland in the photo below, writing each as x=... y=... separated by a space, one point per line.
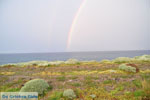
x=120 y=79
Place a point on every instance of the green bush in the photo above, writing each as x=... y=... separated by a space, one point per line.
x=72 y=61
x=56 y=63
x=61 y=78
x=56 y=95
x=138 y=93
x=143 y=58
x=146 y=88
x=120 y=60
x=137 y=83
x=106 y=61
x=31 y=63
x=36 y=85
x=5 y=65
x=126 y=68
x=13 y=90
x=69 y=94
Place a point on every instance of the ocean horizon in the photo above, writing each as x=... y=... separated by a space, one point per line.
x=83 y=56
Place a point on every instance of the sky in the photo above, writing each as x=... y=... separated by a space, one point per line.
x=74 y=25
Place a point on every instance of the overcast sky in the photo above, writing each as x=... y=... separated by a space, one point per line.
x=44 y=25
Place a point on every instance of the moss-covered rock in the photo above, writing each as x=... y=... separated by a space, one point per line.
x=36 y=85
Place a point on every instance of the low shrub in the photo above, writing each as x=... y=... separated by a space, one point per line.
x=32 y=63
x=138 y=93
x=106 y=61
x=13 y=90
x=56 y=63
x=146 y=89
x=61 y=78
x=36 y=85
x=8 y=65
x=56 y=96
x=143 y=58
x=120 y=60
x=133 y=65
x=76 y=84
x=72 y=61
x=69 y=94
x=107 y=82
x=137 y=83
x=126 y=68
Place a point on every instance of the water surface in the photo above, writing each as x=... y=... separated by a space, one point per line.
x=99 y=55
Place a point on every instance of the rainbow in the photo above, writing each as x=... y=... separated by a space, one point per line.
x=74 y=23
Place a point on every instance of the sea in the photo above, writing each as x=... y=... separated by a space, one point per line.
x=83 y=56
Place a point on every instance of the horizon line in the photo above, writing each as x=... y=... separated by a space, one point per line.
x=70 y=51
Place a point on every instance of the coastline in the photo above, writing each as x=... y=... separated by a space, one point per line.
x=63 y=56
